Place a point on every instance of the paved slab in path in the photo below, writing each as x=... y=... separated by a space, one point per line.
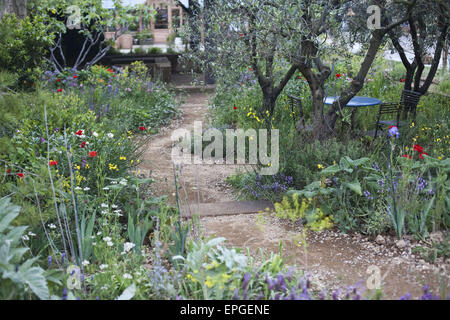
x=225 y=208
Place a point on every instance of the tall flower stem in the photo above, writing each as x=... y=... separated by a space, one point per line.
x=398 y=229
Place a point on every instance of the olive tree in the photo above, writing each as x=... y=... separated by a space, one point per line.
x=428 y=30
x=276 y=38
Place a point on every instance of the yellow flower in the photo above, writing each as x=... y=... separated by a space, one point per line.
x=225 y=276
x=113 y=167
x=412 y=125
x=53 y=11
x=440 y=158
x=319 y=166
x=209 y=282
x=195 y=271
x=118 y=143
x=131 y=161
x=123 y=158
x=438 y=139
x=269 y=164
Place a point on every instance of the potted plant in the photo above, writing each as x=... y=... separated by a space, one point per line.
x=145 y=38
x=126 y=40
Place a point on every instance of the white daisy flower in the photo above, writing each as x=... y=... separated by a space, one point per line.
x=107 y=239
x=87 y=189
x=52 y=226
x=85 y=263
x=103 y=266
x=114 y=206
x=110 y=244
x=95 y=134
x=110 y=135
x=127 y=276
x=104 y=205
x=127 y=246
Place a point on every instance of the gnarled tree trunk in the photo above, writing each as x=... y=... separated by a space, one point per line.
x=18 y=7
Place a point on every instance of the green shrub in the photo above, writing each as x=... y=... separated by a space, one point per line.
x=154 y=50
x=23 y=47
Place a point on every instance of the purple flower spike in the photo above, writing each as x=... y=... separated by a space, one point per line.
x=236 y=294
x=246 y=280
x=406 y=296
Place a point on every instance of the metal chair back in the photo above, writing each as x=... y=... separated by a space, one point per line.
x=392 y=108
x=296 y=102
x=410 y=100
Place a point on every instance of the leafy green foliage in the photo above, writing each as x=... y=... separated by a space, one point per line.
x=19 y=278
x=23 y=47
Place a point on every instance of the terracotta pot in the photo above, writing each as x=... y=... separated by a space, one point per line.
x=126 y=41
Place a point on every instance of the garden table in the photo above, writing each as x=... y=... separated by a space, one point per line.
x=355 y=103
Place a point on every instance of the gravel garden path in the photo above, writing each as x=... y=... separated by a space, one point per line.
x=331 y=258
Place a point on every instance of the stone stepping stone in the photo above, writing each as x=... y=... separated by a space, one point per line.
x=225 y=208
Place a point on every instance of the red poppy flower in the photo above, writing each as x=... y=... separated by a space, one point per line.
x=79 y=133
x=234 y=107
x=75 y=76
x=53 y=163
x=20 y=175
x=241 y=35
x=142 y=128
x=59 y=80
x=92 y=154
x=421 y=155
x=59 y=90
x=8 y=170
x=300 y=77
x=403 y=80
x=418 y=148
x=83 y=144
x=250 y=69
x=407 y=156
x=338 y=75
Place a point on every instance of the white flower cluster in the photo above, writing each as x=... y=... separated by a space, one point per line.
x=108 y=241
x=26 y=237
x=127 y=246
